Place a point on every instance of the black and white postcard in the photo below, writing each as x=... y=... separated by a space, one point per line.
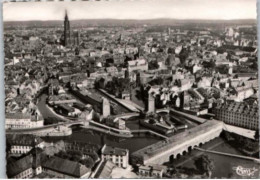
x=131 y=89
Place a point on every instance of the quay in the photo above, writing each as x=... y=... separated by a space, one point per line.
x=188 y=116
x=48 y=130
x=149 y=131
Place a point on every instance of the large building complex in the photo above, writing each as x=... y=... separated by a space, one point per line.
x=238 y=114
x=23 y=120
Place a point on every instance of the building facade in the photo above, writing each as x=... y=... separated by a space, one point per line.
x=23 y=143
x=139 y=64
x=238 y=114
x=152 y=170
x=22 y=121
x=23 y=168
x=118 y=156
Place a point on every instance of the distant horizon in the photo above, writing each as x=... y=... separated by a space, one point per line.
x=131 y=10
x=138 y=19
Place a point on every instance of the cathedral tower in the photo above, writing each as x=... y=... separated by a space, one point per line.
x=66 y=30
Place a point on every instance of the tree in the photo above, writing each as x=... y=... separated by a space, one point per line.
x=88 y=162
x=211 y=64
x=94 y=156
x=205 y=165
x=118 y=85
x=157 y=81
x=153 y=65
x=170 y=50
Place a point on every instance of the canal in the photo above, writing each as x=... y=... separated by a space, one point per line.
x=49 y=116
x=90 y=136
x=224 y=166
x=93 y=137
x=139 y=141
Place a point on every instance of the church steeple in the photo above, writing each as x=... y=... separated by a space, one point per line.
x=66 y=30
x=66 y=15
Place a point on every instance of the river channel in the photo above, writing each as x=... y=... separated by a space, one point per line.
x=225 y=167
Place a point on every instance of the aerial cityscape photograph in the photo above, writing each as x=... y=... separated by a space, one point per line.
x=131 y=89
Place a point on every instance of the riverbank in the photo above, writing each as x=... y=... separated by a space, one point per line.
x=94 y=137
x=45 y=131
x=224 y=165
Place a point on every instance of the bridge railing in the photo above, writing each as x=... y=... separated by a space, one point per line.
x=228 y=154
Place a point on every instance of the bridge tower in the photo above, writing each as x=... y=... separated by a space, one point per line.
x=150 y=103
x=105 y=107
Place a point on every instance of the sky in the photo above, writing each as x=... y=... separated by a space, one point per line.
x=131 y=9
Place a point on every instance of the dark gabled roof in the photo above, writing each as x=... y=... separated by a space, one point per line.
x=15 y=168
x=17 y=115
x=105 y=170
x=65 y=166
x=23 y=139
x=109 y=150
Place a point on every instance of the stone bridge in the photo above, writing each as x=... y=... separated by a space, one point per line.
x=166 y=110
x=75 y=123
x=177 y=145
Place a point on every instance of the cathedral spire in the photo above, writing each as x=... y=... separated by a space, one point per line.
x=66 y=30
x=66 y=14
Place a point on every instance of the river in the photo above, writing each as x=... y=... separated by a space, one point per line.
x=224 y=166
x=89 y=136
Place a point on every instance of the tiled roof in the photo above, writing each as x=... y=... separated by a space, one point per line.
x=105 y=170
x=239 y=107
x=65 y=166
x=17 y=115
x=23 y=139
x=15 y=168
x=109 y=150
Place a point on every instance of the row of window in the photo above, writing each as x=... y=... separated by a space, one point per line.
x=147 y=173
x=117 y=158
x=25 y=174
x=235 y=114
x=21 y=147
x=242 y=120
x=19 y=152
x=119 y=164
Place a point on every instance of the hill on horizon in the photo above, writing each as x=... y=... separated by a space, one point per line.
x=129 y=22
